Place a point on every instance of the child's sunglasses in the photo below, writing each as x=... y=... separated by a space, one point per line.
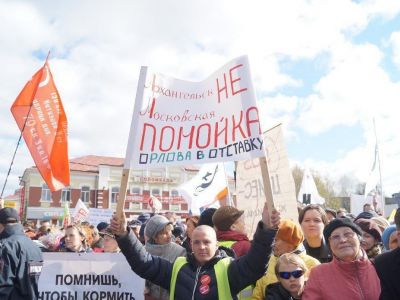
x=295 y=274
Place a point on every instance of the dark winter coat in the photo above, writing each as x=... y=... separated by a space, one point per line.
x=20 y=265
x=325 y=254
x=387 y=267
x=241 y=272
x=275 y=291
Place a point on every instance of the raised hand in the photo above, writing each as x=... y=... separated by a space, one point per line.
x=118 y=224
x=270 y=219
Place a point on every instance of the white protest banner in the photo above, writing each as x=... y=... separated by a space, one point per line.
x=202 y=190
x=78 y=276
x=249 y=184
x=81 y=212
x=182 y=122
x=97 y=215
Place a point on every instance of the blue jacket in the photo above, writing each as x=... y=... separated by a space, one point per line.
x=241 y=272
x=20 y=265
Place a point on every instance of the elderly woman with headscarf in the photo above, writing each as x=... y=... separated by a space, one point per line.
x=371 y=237
x=350 y=274
x=158 y=233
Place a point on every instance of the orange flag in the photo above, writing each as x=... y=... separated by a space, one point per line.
x=40 y=116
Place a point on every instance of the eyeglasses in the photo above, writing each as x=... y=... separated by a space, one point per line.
x=337 y=237
x=295 y=274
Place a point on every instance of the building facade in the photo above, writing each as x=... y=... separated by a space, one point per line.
x=96 y=181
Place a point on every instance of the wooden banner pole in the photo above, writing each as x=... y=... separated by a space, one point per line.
x=122 y=192
x=267 y=184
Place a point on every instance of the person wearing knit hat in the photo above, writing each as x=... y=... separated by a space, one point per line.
x=366 y=215
x=371 y=237
x=158 y=232
x=342 y=222
x=231 y=231
x=290 y=235
x=288 y=239
x=389 y=238
x=155 y=225
x=206 y=217
x=349 y=268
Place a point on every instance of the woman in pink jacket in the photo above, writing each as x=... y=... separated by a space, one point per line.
x=350 y=275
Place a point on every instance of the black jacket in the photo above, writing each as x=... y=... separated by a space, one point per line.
x=275 y=291
x=20 y=265
x=388 y=268
x=325 y=254
x=241 y=272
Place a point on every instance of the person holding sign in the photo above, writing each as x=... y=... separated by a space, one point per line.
x=207 y=273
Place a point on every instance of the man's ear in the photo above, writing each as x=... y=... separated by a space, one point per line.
x=233 y=226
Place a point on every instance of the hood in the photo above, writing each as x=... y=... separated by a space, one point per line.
x=230 y=235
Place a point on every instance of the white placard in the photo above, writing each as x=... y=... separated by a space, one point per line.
x=97 y=215
x=88 y=276
x=182 y=122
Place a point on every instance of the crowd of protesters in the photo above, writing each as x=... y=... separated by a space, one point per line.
x=326 y=255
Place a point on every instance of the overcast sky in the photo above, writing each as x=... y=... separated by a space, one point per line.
x=324 y=69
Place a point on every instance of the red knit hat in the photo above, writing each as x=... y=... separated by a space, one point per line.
x=290 y=232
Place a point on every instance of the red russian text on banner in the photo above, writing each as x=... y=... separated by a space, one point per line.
x=45 y=132
x=178 y=122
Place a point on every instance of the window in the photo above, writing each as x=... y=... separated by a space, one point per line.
x=174 y=193
x=135 y=206
x=155 y=192
x=114 y=194
x=85 y=193
x=46 y=194
x=175 y=207
x=135 y=190
x=66 y=194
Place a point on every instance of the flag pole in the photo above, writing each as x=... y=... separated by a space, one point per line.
x=380 y=172
x=18 y=143
x=227 y=186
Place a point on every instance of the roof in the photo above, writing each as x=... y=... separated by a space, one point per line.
x=91 y=163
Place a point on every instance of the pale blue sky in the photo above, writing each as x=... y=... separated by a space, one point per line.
x=324 y=69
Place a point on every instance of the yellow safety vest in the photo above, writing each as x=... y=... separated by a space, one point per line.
x=247 y=292
x=221 y=274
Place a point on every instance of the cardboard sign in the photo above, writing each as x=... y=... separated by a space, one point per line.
x=250 y=195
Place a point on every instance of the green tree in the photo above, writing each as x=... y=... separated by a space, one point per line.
x=297 y=174
x=325 y=185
